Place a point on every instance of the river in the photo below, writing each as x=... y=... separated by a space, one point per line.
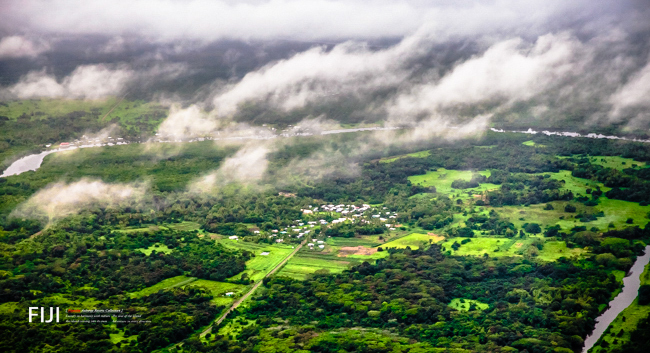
x=631 y=286
x=34 y=161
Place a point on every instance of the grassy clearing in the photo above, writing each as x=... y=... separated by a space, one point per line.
x=219 y=289
x=164 y=284
x=532 y=143
x=442 y=179
x=259 y=266
x=554 y=250
x=421 y=154
x=184 y=226
x=576 y=185
x=160 y=248
x=632 y=314
x=150 y=228
x=375 y=256
x=307 y=262
x=480 y=246
x=461 y=304
x=498 y=247
x=615 y=162
x=616 y=212
x=415 y=241
x=369 y=241
x=119 y=337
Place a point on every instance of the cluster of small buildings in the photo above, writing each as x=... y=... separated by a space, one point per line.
x=301 y=229
x=89 y=141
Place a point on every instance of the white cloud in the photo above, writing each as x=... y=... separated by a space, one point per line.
x=20 y=47
x=59 y=200
x=187 y=122
x=508 y=71
x=318 y=74
x=635 y=93
x=87 y=81
x=247 y=166
x=209 y=20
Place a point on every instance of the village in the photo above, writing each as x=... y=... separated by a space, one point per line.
x=317 y=218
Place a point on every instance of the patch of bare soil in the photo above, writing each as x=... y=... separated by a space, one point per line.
x=436 y=237
x=356 y=250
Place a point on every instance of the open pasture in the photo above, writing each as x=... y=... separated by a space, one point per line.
x=616 y=212
x=307 y=262
x=615 y=162
x=442 y=179
x=164 y=284
x=576 y=185
x=498 y=247
x=219 y=289
x=260 y=265
x=366 y=240
x=184 y=226
x=414 y=241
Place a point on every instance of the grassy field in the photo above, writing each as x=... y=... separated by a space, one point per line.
x=164 y=284
x=554 y=250
x=498 y=247
x=576 y=185
x=307 y=262
x=150 y=228
x=158 y=247
x=464 y=304
x=479 y=246
x=532 y=143
x=442 y=179
x=420 y=154
x=616 y=212
x=369 y=241
x=184 y=226
x=414 y=241
x=632 y=314
x=615 y=162
x=219 y=289
x=259 y=266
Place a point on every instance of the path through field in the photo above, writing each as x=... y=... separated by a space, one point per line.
x=241 y=300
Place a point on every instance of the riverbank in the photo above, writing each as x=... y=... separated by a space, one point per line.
x=625 y=300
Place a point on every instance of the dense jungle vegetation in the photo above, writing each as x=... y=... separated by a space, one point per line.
x=579 y=233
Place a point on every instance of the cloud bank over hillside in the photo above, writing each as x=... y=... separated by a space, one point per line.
x=206 y=20
x=402 y=63
x=60 y=200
